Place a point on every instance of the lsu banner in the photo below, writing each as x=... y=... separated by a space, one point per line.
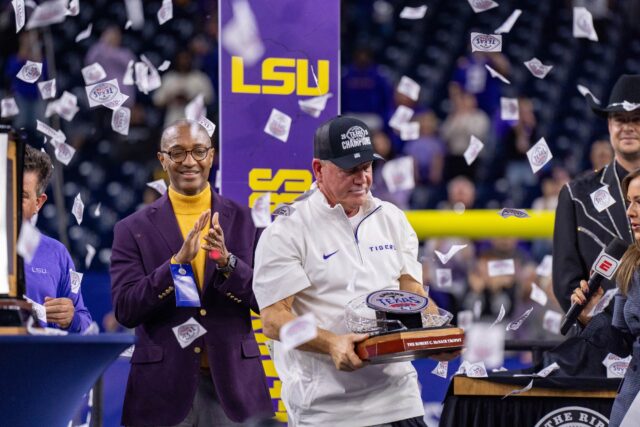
x=279 y=80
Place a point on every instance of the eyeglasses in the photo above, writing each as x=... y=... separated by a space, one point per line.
x=178 y=155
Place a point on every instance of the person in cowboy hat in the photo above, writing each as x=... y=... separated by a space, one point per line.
x=590 y=213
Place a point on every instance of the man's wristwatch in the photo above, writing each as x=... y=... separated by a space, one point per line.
x=231 y=264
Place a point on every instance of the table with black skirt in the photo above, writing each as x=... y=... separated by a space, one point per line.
x=552 y=402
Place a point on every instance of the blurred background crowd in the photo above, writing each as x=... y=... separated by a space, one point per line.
x=458 y=98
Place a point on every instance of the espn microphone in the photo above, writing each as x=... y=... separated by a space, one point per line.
x=605 y=266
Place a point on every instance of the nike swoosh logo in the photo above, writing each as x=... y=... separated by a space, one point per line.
x=325 y=257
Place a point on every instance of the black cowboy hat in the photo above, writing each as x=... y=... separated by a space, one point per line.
x=626 y=90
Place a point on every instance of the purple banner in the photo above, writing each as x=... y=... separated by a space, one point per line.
x=274 y=54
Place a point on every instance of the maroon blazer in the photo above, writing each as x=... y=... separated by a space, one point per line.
x=164 y=377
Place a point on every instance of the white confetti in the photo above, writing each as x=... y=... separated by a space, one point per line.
x=508 y=24
x=537 y=68
x=63 y=152
x=120 y=120
x=135 y=13
x=509 y=109
x=401 y=116
x=482 y=5
x=454 y=249
x=584 y=92
x=195 y=108
x=47 y=13
x=544 y=373
x=278 y=125
x=409 y=88
x=165 y=13
x=520 y=391
x=539 y=155
x=164 y=66
x=518 y=213
x=28 y=241
x=314 y=106
x=398 y=174
x=473 y=150
x=486 y=42
x=47 y=89
x=84 y=34
x=551 y=321
x=601 y=198
x=76 y=280
x=496 y=74
x=240 y=36
x=443 y=278
x=208 y=125
x=153 y=79
x=8 y=107
x=67 y=106
x=20 y=14
x=410 y=131
x=261 y=211
x=441 y=370
x=74 y=7
x=477 y=370
x=91 y=251
x=413 y=12
x=484 y=344
x=96 y=212
x=515 y=325
x=545 y=267
x=188 y=332
x=127 y=78
x=30 y=71
x=298 y=331
x=477 y=309
x=128 y=352
x=38 y=309
x=538 y=295
x=604 y=302
x=465 y=319
x=159 y=185
x=583 y=24
x=78 y=208
x=500 y=316
x=106 y=94
x=50 y=132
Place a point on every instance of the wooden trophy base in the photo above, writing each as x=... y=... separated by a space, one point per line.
x=13 y=316
x=402 y=346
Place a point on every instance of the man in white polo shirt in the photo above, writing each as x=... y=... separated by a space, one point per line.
x=335 y=244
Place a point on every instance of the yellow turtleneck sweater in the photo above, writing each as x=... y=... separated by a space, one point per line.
x=187 y=210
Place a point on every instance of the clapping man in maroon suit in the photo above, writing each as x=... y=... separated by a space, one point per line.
x=196 y=361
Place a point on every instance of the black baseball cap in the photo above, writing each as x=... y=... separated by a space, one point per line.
x=345 y=141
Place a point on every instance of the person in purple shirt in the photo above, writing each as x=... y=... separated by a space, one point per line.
x=48 y=275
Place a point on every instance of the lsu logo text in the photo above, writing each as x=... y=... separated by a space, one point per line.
x=285 y=185
x=282 y=76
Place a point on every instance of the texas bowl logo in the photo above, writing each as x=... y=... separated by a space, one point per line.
x=120 y=118
x=187 y=332
x=539 y=156
x=573 y=416
x=482 y=4
x=536 y=68
x=486 y=42
x=601 y=196
x=357 y=136
x=619 y=368
x=103 y=92
x=396 y=301
x=31 y=72
x=278 y=126
x=476 y=371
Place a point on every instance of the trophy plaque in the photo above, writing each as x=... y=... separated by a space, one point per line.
x=14 y=312
x=401 y=327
